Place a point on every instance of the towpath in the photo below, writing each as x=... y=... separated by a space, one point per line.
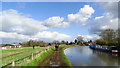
x=52 y=60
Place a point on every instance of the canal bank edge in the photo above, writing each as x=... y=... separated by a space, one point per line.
x=64 y=58
x=65 y=61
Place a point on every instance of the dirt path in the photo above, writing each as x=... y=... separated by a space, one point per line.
x=52 y=60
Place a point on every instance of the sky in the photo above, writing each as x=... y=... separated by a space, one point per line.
x=60 y=0
x=49 y=21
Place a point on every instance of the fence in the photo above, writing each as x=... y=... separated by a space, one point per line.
x=25 y=59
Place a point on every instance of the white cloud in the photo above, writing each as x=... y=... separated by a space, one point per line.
x=51 y=36
x=111 y=7
x=16 y=25
x=105 y=27
x=88 y=37
x=99 y=17
x=55 y=22
x=104 y=22
x=12 y=35
x=45 y=36
x=108 y=20
x=83 y=15
x=13 y=21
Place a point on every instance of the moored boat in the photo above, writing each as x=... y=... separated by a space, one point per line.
x=111 y=49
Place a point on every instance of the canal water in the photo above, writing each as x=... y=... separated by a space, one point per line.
x=84 y=56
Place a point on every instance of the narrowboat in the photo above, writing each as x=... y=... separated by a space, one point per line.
x=111 y=49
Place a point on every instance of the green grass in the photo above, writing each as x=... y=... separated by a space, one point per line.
x=7 y=52
x=66 y=62
x=25 y=52
x=38 y=60
x=64 y=58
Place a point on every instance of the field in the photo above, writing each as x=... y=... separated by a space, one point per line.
x=8 y=55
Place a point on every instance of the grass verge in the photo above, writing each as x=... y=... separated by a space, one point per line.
x=66 y=62
x=36 y=61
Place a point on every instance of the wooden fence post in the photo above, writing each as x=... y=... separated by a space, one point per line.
x=13 y=63
x=36 y=55
x=32 y=56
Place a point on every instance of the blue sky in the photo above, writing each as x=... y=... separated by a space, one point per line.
x=41 y=11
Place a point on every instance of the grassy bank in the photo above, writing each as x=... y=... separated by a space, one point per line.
x=36 y=61
x=66 y=62
x=64 y=58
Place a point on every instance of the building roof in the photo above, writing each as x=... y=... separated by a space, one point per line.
x=9 y=45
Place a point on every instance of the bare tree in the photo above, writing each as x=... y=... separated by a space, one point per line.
x=80 y=39
x=109 y=35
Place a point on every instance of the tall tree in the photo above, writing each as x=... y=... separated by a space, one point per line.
x=79 y=39
x=108 y=35
x=66 y=43
x=75 y=41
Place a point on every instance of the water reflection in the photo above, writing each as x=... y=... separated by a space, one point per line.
x=84 y=56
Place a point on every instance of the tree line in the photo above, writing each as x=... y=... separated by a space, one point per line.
x=108 y=37
x=31 y=43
